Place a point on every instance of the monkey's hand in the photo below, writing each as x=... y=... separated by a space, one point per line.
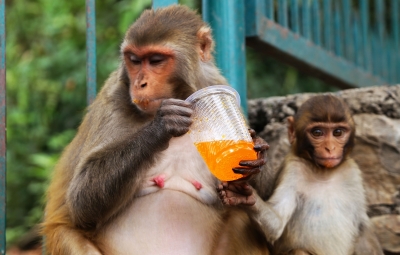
x=250 y=167
x=173 y=117
x=236 y=193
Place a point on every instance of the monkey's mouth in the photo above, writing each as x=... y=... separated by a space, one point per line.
x=328 y=162
x=331 y=158
x=147 y=104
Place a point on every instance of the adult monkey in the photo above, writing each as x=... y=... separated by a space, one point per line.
x=131 y=181
x=318 y=206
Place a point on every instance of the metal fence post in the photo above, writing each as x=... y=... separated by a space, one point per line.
x=163 y=3
x=2 y=128
x=91 y=51
x=227 y=19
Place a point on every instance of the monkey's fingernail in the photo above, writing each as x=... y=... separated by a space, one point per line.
x=244 y=163
x=257 y=147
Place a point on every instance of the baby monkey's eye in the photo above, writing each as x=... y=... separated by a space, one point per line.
x=317 y=132
x=338 y=132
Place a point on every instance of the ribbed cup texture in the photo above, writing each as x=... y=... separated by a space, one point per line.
x=217 y=115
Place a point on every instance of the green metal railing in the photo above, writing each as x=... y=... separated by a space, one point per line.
x=343 y=45
x=2 y=128
x=91 y=73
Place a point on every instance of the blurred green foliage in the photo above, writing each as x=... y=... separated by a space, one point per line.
x=46 y=93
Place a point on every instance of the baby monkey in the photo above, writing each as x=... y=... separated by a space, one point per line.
x=318 y=206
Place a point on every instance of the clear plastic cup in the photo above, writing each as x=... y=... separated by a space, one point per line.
x=219 y=130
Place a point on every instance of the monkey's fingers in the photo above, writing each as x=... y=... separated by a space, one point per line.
x=229 y=197
x=246 y=171
x=252 y=133
x=253 y=163
x=176 y=110
x=241 y=188
x=261 y=146
x=179 y=102
x=239 y=201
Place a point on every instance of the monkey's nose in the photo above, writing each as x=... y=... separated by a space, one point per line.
x=143 y=85
x=330 y=149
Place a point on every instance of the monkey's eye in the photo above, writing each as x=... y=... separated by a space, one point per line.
x=317 y=132
x=135 y=59
x=156 y=59
x=338 y=132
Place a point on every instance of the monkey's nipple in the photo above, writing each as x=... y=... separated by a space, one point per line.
x=159 y=180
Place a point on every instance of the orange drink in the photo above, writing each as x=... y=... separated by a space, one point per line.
x=223 y=155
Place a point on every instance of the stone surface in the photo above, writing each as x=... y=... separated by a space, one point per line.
x=376 y=112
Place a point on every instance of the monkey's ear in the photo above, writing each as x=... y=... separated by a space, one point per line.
x=205 y=43
x=291 y=130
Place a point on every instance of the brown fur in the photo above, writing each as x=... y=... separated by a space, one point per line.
x=104 y=179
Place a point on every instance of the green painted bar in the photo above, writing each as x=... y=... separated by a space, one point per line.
x=282 y=13
x=366 y=48
x=270 y=9
x=348 y=49
x=398 y=66
x=380 y=26
x=379 y=18
x=90 y=51
x=227 y=21
x=305 y=7
x=337 y=31
x=294 y=16
x=251 y=11
x=327 y=10
x=262 y=8
x=395 y=22
x=163 y=3
x=396 y=39
x=254 y=9
x=375 y=55
x=316 y=24
x=386 y=62
x=357 y=40
x=3 y=137
x=391 y=64
x=205 y=10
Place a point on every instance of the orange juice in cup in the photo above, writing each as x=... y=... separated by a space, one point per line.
x=223 y=155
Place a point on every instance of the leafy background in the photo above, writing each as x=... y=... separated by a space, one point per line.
x=46 y=93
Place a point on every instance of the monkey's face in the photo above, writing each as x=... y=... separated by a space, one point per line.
x=329 y=141
x=150 y=69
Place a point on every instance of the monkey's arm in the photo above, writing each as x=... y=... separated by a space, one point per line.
x=367 y=242
x=272 y=215
x=108 y=177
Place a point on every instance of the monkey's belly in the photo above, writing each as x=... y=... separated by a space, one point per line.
x=330 y=228
x=165 y=222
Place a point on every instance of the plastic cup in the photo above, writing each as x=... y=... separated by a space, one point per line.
x=219 y=130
